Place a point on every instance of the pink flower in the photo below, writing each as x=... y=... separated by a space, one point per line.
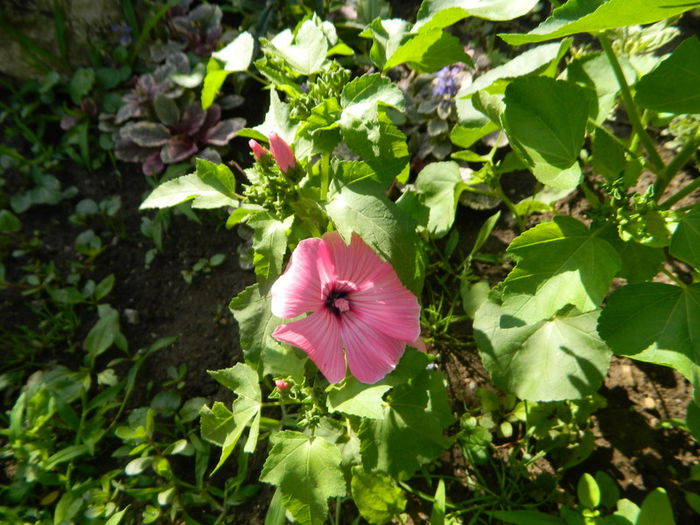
x=360 y=311
x=257 y=149
x=282 y=153
x=281 y=384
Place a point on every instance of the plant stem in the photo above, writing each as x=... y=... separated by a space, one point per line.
x=325 y=169
x=686 y=153
x=687 y=190
x=673 y=278
x=509 y=204
x=656 y=163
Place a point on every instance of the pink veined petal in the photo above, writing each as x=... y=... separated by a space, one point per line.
x=371 y=354
x=356 y=262
x=325 y=264
x=388 y=307
x=298 y=289
x=319 y=336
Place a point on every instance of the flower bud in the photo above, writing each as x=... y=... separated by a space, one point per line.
x=257 y=149
x=282 y=153
x=281 y=384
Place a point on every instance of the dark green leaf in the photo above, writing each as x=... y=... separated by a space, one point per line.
x=377 y=496
x=685 y=243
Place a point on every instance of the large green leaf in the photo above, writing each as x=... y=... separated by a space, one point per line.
x=369 y=90
x=545 y=120
x=255 y=324
x=559 y=358
x=685 y=243
x=304 y=51
x=439 y=185
x=388 y=36
x=558 y=263
x=276 y=120
x=459 y=9
x=307 y=472
x=378 y=497
x=357 y=399
x=428 y=51
x=410 y=433
x=224 y=427
x=592 y=16
x=236 y=56
x=269 y=245
x=673 y=86
x=655 y=322
x=528 y=62
x=204 y=192
x=365 y=210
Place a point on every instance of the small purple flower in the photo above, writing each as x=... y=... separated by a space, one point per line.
x=124 y=32
x=447 y=81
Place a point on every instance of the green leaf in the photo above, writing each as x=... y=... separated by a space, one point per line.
x=305 y=51
x=428 y=51
x=213 y=80
x=528 y=62
x=270 y=245
x=377 y=496
x=373 y=136
x=363 y=209
x=439 y=185
x=657 y=323
x=588 y=491
x=357 y=399
x=549 y=360
x=673 y=86
x=685 y=243
x=307 y=472
x=388 y=36
x=368 y=91
x=656 y=509
x=592 y=16
x=276 y=120
x=243 y=381
x=255 y=324
x=608 y=155
x=81 y=84
x=410 y=433
x=104 y=333
x=437 y=516
x=166 y=110
x=558 y=263
x=545 y=121
x=459 y=9
x=9 y=223
x=190 y=187
x=236 y=56
x=526 y=517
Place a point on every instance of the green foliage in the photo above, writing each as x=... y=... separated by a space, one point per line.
x=377 y=497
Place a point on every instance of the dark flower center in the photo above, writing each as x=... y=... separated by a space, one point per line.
x=337 y=302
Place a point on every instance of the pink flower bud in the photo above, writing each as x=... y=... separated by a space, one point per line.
x=281 y=384
x=282 y=153
x=258 y=150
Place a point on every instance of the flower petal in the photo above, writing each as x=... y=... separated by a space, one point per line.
x=356 y=262
x=298 y=289
x=371 y=354
x=318 y=335
x=388 y=307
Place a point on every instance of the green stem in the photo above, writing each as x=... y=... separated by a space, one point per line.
x=325 y=175
x=509 y=204
x=673 y=278
x=654 y=158
x=685 y=191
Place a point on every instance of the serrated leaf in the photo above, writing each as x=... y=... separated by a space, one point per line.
x=255 y=324
x=269 y=245
x=459 y=9
x=363 y=209
x=388 y=36
x=410 y=433
x=657 y=323
x=584 y=16
x=685 y=243
x=378 y=497
x=558 y=263
x=369 y=90
x=185 y=188
x=307 y=472
x=439 y=185
x=236 y=56
x=357 y=399
x=428 y=51
x=560 y=358
x=373 y=136
x=545 y=121
x=305 y=51
x=276 y=120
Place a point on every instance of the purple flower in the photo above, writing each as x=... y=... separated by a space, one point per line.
x=124 y=32
x=447 y=81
